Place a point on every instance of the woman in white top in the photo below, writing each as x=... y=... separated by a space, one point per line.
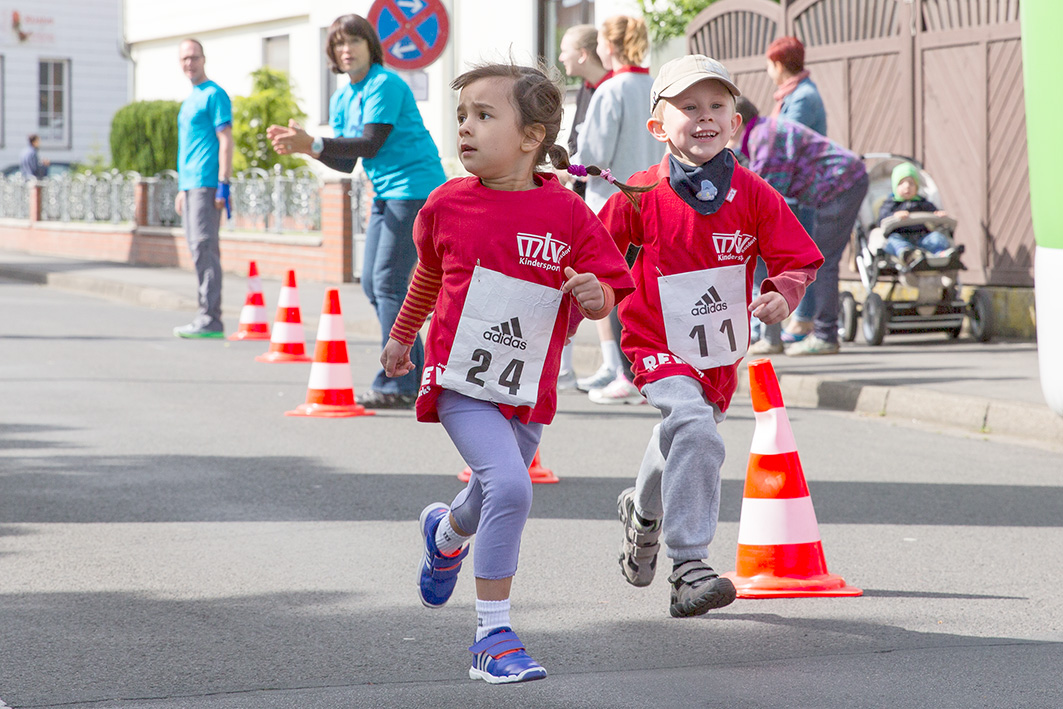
x=614 y=132
x=614 y=136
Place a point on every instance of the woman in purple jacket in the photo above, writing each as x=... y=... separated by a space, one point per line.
x=816 y=172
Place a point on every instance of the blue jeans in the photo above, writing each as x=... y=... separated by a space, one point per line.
x=389 y=260
x=834 y=224
x=933 y=243
x=773 y=333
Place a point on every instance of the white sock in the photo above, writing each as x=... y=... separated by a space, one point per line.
x=611 y=354
x=491 y=615
x=566 y=357
x=448 y=541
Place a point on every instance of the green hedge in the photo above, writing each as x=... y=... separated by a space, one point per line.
x=144 y=137
x=271 y=103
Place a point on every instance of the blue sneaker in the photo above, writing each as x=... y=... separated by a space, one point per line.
x=500 y=658
x=438 y=573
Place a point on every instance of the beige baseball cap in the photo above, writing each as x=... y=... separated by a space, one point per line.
x=678 y=75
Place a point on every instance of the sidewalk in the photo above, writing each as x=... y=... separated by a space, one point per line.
x=988 y=388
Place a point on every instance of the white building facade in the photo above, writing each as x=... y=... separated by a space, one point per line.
x=239 y=36
x=62 y=76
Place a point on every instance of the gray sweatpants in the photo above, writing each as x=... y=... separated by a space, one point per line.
x=496 y=502
x=202 y=222
x=679 y=481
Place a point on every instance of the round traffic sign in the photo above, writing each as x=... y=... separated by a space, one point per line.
x=413 y=33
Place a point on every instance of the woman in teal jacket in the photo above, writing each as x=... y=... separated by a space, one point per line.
x=375 y=117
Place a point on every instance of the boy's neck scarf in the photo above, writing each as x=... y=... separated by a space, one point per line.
x=785 y=89
x=703 y=187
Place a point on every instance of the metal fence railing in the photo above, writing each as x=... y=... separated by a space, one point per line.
x=88 y=197
x=14 y=197
x=279 y=200
x=162 y=191
x=274 y=201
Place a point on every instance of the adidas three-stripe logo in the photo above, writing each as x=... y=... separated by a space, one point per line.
x=710 y=302
x=507 y=333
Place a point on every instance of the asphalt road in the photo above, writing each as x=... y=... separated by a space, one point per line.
x=169 y=539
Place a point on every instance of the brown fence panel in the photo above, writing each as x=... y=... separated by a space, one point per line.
x=969 y=66
x=831 y=78
x=1010 y=234
x=953 y=139
x=735 y=29
x=880 y=105
x=860 y=60
x=738 y=32
x=823 y=22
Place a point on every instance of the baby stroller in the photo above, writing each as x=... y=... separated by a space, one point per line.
x=938 y=305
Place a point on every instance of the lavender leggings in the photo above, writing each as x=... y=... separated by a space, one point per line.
x=496 y=502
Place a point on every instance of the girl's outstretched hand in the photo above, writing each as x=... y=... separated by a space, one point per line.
x=585 y=288
x=770 y=307
x=396 y=359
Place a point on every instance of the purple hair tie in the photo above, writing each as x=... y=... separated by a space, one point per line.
x=608 y=176
x=577 y=170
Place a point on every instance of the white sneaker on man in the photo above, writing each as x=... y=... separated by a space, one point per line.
x=599 y=379
x=618 y=391
x=566 y=381
x=763 y=347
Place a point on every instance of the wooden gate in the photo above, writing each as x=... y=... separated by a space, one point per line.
x=940 y=80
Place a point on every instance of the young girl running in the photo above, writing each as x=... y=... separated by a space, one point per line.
x=503 y=256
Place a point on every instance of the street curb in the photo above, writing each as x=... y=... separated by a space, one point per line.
x=128 y=292
x=971 y=413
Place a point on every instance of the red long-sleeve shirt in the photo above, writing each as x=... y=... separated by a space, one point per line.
x=754 y=221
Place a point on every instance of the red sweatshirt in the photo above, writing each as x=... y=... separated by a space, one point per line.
x=528 y=235
x=712 y=319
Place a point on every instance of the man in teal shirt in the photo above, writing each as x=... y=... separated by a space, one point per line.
x=204 y=166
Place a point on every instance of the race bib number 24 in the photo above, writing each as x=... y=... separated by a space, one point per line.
x=502 y=339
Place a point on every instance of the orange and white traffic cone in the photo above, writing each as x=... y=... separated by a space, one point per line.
x=287 y=344
x=330 y=393
x=539 y=473
x=780 y=554
x=254 y=322
x=536 y=471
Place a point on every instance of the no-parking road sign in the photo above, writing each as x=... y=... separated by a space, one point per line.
x=412 y=32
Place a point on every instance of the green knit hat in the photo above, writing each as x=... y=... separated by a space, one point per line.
x=905 y=169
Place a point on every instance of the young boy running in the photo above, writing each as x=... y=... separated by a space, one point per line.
x=686 y=327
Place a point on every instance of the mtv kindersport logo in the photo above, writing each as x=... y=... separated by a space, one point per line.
x=543 y=252
x=732 y=247
x=507 y=333
x=709 y=303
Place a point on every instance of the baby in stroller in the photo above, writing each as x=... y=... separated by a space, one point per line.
x=902 y=239
x=905 y=220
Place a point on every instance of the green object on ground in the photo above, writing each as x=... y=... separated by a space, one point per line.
x=199 y=334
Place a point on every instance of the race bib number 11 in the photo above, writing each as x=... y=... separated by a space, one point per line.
x=705 y=316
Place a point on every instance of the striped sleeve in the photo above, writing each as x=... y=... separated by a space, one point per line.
x=420 y=301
